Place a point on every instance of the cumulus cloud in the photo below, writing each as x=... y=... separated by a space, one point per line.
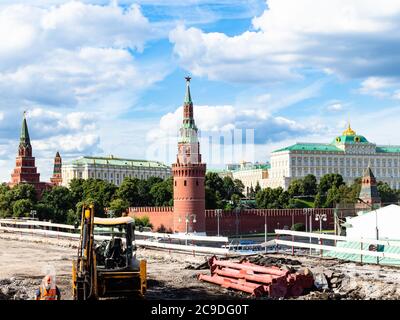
x=72 y=53
x=381 y=87
x=222 y=119
x=356 y=38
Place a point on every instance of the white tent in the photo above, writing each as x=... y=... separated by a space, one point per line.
x=387 y=219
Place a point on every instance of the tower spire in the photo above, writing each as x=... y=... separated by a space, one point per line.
x=188 y=97
x=24 y=138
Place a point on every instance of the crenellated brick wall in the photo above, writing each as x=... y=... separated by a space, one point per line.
x=160 y=217
x=230 y=222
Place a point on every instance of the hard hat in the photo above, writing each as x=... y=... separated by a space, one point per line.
x=47 y=279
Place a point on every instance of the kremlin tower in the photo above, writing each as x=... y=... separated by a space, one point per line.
x=25 y=170
x=56 y=179
x=189 y=175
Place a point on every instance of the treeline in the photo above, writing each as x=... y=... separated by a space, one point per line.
x=64 y=205
x=331 y=190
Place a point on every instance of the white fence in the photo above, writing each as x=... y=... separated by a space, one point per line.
x=321 y=247
x=30 y=228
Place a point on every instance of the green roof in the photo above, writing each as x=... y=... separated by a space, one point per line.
x=350 y=139
x=311 y=147
x=117 y=162
x=388 y=149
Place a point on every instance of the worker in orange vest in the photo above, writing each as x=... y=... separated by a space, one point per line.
x=48 y=290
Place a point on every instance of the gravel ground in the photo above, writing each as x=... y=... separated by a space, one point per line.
x=23 y=264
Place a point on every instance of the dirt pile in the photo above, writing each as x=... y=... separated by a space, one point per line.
x=15 y=289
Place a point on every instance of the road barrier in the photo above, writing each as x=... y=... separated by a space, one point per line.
x=30 y=228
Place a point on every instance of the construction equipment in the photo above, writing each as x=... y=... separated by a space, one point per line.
x=106 y=264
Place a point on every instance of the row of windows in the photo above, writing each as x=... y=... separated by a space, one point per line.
x=341 y=161
x=344 y=172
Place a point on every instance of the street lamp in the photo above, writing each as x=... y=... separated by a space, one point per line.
x=33 y=214
x=188 y=217
x=320 y=217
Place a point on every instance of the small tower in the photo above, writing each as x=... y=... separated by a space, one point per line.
x=369 y=191
x=25 y=170
x=189 y=175
x=56 y=179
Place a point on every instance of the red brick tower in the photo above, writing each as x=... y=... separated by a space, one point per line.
x=189 y=175
x=25 y=170
x=56 y=179
x=369 y=191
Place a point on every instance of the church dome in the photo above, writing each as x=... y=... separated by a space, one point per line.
x=350 y=136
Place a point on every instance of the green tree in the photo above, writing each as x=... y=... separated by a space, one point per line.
x=296 y=188
x=332 y=197
x=239 y=187
x=99 y=192
x=387 y=194
x=272 y=198
x=24 y=191
x=44 y=211
x=257 y=188
x=22 y=208
x=162 y=193
x=128 y=191
x=60 y=200
x=310 y=185
x=328 y=181
x=76 y=187
x=118 y=206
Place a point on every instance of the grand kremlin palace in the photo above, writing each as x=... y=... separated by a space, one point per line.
x=349 y=155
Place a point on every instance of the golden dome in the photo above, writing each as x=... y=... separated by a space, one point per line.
x=349 y=131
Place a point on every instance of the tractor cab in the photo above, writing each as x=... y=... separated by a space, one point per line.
x=115 y=244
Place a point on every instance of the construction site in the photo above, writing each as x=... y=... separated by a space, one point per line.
x=285 y=268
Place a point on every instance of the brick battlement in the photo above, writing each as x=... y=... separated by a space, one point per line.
x=189 y=165
x=267 y=212
x=133 y=210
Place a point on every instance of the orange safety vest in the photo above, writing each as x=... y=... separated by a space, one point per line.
x=47 y=294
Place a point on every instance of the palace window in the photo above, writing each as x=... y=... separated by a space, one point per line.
x=184 y=183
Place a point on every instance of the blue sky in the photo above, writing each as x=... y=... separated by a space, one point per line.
x=101 y=77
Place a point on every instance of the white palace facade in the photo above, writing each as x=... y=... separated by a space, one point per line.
x=112 y=169
x=347 y=155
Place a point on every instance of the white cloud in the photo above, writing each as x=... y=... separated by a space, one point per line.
x=75 y=54
x=382 y=87
x=353 y=38
x=335 y=107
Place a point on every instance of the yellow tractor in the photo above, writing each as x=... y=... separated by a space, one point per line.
x=106 y=264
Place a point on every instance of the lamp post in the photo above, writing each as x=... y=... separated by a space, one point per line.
x=320 y=217
x=188 y=217
x=33 y=214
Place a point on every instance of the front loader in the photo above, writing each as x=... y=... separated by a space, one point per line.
x=106 y=264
